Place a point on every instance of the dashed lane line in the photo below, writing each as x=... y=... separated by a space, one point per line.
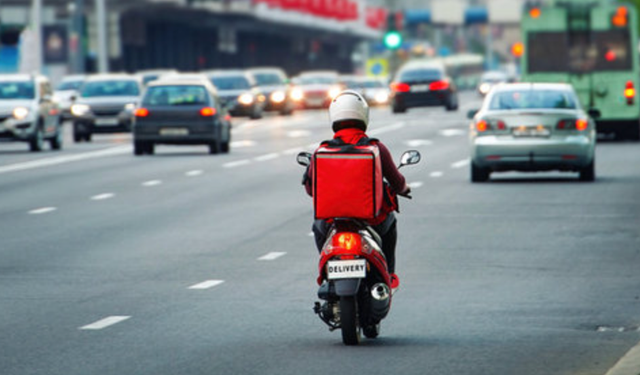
x=43 y=210
x=272 y=256
x=151 y=183
x=194 y=173
x=206 y=284
x=104 y=323
x=236 y=163
x=101 y=197
x=461 y=164
x=267 y=157
x=436 y=174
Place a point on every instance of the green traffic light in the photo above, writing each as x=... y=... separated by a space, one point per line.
x=392 y=39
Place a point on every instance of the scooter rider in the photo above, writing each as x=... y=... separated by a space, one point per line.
x=349 y=116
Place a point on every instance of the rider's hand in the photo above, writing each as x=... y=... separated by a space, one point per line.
x=406 y=192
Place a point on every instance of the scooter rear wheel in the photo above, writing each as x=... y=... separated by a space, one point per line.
x=349 y=321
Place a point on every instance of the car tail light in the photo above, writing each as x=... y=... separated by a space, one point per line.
x=400 y=87
x=439 y=85
x=501 y=125
x=227 y=117
x=573 y=124
x=486 y=125
x=207 y=111
x=629 y=92
x=347 y=241
x=142 y=112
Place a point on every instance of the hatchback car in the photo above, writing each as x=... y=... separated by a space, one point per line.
x=316 y=89
x=532 y=127
x=274 y=84
x=423 y=84
x=374 y=90
x=105 y=105
x=181 y=113
x=64 y=93
x=28 y=112
x=238 y=92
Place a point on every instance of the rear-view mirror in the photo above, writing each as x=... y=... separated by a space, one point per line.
x=472 y=113
x=304 y=159
x=410 y=157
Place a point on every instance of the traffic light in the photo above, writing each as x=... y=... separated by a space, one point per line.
x=392 y=37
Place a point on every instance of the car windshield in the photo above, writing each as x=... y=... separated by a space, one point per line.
x=231 y=83
x=265 y=79
x=421 y=75
x=532 y=99
x=175 y=95
x=69 y=85
x=17 y=90
x=110 y=88
x=313 y=80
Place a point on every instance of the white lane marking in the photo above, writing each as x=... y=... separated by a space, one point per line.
x=392 y=127
x=298 y=134
x=106 y=322
x=236 y=163
x=461 y=163
x=43 y=210
x=293 y=151
x=272 y=256
x=267 y=157
x=419 y=142
x=244 y=143
x=436 y=174
x=101 y=197
x=206 y=284
x=452 y=132
x=46 y=162
x=151 y=183
x=416 y=184
x=194 y=173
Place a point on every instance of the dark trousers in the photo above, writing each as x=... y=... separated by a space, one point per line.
x=387 y=231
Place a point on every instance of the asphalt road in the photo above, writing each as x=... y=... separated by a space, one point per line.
x=190 y=263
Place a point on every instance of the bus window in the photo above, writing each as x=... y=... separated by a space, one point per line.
x=579 y=52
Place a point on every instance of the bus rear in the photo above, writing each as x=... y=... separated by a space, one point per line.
x=590 y=44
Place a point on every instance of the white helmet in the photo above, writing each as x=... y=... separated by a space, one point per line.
x=349 y=105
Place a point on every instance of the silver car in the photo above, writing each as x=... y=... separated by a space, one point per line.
x=532 y=127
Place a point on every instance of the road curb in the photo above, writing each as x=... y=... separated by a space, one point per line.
x=629 y=364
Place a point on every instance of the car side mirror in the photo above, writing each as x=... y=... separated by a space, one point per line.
x=304 y=159
x=472 y=113
x=594 y=113
x=409 y=158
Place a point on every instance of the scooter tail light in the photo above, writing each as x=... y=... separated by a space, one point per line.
x=348 y=241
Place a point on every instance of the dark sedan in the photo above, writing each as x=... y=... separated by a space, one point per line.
x=423 y=84
x=181 y=113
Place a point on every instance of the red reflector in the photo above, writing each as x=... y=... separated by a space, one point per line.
x=493 y=157
x=347 y=241
x=207 y=111
x=227 y=117
x=610 y=55
x=400 y=87
x=502 y=125
x=439 y=85
x=482 y=126
x=142 y=112
x=569 y=157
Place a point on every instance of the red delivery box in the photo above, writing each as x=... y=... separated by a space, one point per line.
x=347 y=182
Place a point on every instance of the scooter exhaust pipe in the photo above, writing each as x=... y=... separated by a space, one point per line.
x=380 y=301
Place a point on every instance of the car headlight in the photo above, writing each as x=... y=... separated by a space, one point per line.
x=297 y=94
x=130 y=107
x=381 y=97
x=246 y=99
x=484 y=88
x=333 y=92
x=20 y=113
x=277 y=97
x=80 y=109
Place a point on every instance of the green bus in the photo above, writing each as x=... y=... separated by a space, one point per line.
x=592 y=45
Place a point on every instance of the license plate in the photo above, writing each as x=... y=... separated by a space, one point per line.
x=419 y=88
x=346 y=269
x=107 y=122
x=174 y=131
x=531 y=131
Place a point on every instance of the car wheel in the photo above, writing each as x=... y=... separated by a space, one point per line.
x=150 y=148
x=398 y=109
x=213 y=147
x=87 y=137
x=452 y=105
x=224 y=147
x=138 y=148
x=37 y=140
x=56 y=141
x=588 y=173
x=479 y=174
